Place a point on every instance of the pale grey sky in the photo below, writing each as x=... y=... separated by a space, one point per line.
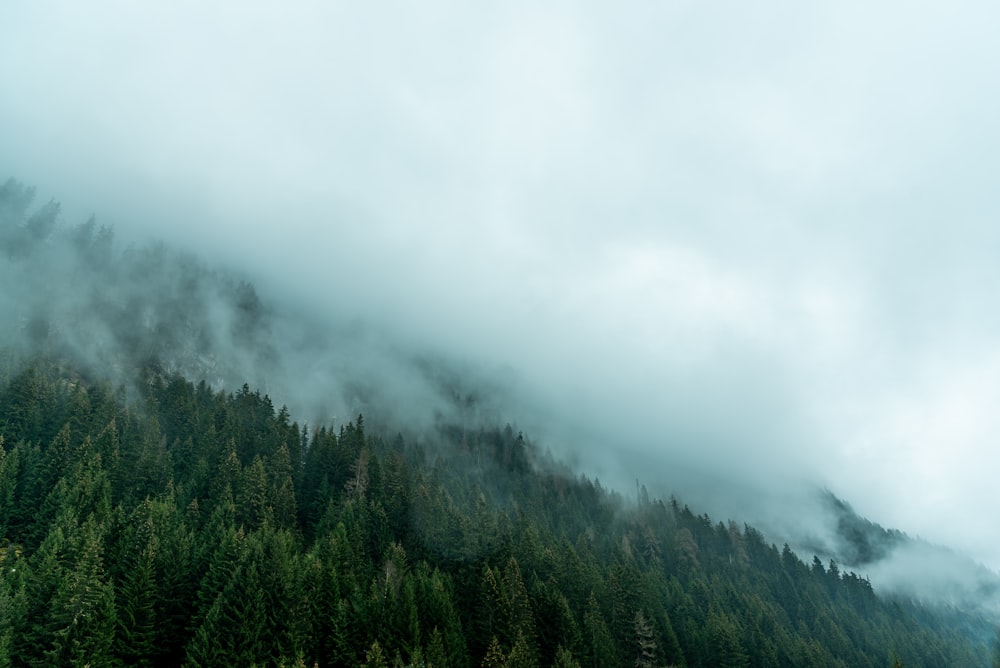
x=759 y=238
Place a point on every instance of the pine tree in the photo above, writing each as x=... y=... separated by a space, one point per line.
x=282 y=489
x=9 y=464
x=82 y=622
x=565 y=659
x=522 y=655
x=437 y=656
x=602 y=650
x=137 y=619
x=646 y=656
x=726 y=651
x=556 y=624
x=252 y=508
x=495 y=657
x=13 y=602
x=46 y=570
x=671 y=644
x=234 y=632
x=375 y=657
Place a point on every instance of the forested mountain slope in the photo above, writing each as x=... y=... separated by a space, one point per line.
x=149 y=516
x=202 y=528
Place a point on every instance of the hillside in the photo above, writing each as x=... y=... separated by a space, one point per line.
x=152 y=515
x=203 y=528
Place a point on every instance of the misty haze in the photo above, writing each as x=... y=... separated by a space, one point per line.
x=518 y=336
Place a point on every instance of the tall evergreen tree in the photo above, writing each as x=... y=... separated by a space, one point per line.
x=82 y=617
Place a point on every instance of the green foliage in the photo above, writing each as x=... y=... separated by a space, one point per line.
x=190 y=527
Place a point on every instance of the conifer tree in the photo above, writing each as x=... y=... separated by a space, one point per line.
x=726 y=651
x=235 y=630
x=565 y=659
x=437 y=656
x=495 y=657
x=82 y=619
x=252 y=508
x=137 y=599
x=9 y=464
x=375 y=657
x=646 y=656
x=602 y=650
x=13 y=602
x=282 y=489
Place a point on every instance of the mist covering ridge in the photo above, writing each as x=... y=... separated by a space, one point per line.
x=909 y=566
x=69 y=291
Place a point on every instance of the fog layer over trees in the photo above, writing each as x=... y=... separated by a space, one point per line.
x=147 y=488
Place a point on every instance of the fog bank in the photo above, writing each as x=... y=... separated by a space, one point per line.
x=756 y=245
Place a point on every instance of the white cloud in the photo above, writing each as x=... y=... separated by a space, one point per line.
x=762 y=236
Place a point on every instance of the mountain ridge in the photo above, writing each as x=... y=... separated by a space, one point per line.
x=159 y=325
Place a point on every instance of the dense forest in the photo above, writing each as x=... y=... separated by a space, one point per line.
x=195 y=527
x=148 y=516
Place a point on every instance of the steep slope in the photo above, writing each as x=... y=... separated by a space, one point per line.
x=150 y=515
x=202 y=528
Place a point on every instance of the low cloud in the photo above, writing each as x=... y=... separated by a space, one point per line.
x=755 y=248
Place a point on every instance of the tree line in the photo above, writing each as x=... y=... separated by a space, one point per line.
x=173 y=524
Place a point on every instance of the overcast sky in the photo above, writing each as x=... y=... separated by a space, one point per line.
x=760 y=239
